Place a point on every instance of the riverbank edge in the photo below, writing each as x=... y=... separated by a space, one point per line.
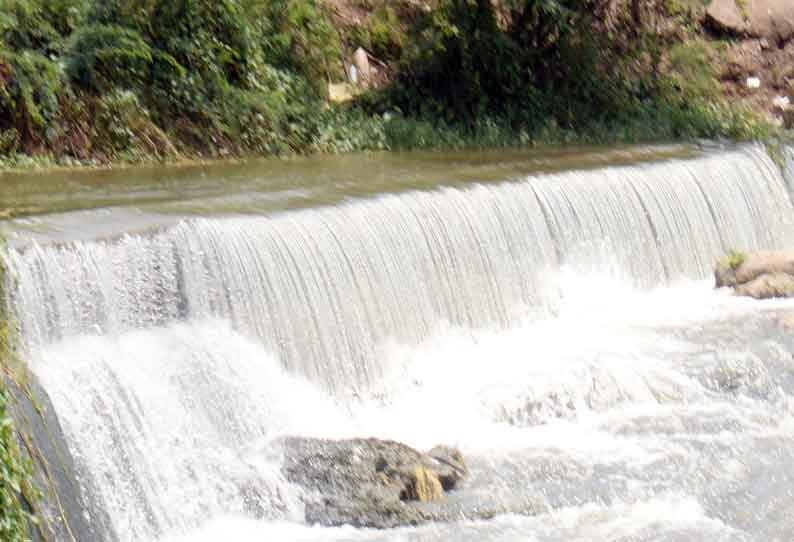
x=47 y=164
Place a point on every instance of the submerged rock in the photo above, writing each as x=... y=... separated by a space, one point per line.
x=371 y=482
x=761 y=275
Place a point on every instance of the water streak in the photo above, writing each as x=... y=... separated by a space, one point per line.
x=170 y=357
x=324 y=288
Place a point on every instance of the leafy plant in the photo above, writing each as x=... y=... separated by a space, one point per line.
x=29 y=99
x=299 y=36
x=735 y=259
x=23 y=25
x=102 y=57
x=382 y=34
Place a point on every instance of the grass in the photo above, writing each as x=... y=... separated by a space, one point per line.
x=735 y=259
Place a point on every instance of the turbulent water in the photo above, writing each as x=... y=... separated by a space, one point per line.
x=560 y=329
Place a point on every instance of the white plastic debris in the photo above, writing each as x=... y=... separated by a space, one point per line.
x=753 y=82
x=781 y=102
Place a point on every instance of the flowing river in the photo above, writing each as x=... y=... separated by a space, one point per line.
x=550 y=313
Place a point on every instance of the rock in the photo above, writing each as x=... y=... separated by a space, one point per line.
x=724 y=275
x=361 y=63
x=768 y=286
x=448 y=465
x=772 y=19
x=762 y=275
x=421 y=484
x=370 y=482
x=341 y=92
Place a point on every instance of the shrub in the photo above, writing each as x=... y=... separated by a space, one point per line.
x=381 y=34
x=23 y=25
x=200 y=49
x=65 y=16
x=29 y=99
x=123 y=128
x=299 y=36
x=102 y=57
x=134 y=14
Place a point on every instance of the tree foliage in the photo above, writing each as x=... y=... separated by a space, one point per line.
x=102 y=57
x=252 y=75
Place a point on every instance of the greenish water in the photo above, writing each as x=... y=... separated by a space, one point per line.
x=68 y=204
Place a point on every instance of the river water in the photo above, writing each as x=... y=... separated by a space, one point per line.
x=550 y=313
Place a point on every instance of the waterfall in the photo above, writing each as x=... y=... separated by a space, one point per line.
x=322 y=288
x=160 y=346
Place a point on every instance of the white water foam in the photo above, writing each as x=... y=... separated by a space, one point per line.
x=557 y=330
x=172 y=424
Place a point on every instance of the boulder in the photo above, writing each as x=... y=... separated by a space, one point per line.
x=341 y=92
x=772 y=19
x=762 y=275
x=370 y=482
x=363 y=68
x=768 y=286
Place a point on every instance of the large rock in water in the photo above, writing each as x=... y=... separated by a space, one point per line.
x=773 y=19
x=370 y=482
x=762 y=275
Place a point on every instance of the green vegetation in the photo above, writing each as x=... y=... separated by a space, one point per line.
x=735 y=258
x=135 y=80
x=16 y=519
x=15 y=474
x=381 y=33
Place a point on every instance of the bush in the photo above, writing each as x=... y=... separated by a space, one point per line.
x=299 y=36
x=381 y=34
x=102 y=57
x=133 y=14
x=29 y=99
x=201 y=49
x=23 y=25
x=124 y=130
x=455 y=68
x=106 y=79
x=65 y=16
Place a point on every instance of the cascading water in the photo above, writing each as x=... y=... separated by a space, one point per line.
x=171 y=357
